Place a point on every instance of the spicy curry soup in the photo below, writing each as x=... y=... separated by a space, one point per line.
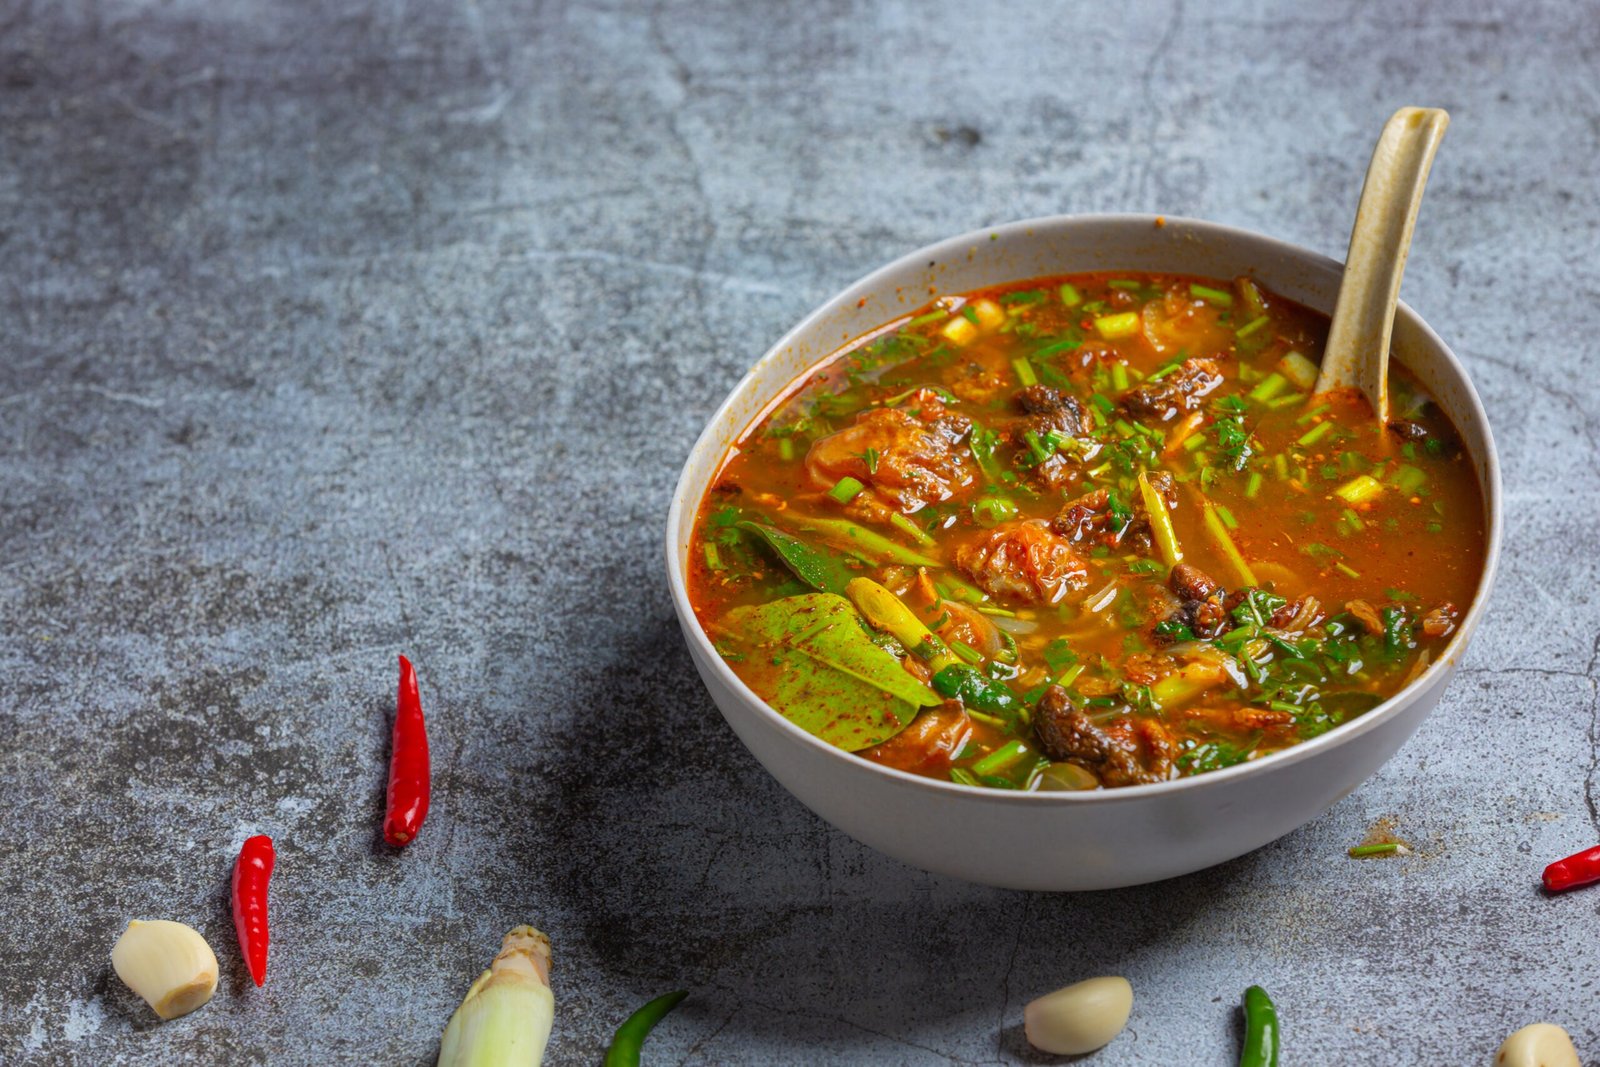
x=1085 y=531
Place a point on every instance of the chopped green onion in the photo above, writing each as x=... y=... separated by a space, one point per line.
x=1037 y=447
x=1111 y=327
x=1354 y=520
x=1124 y=428
x=1316 y=433
x=1119 y=377
x=1358 y=490
x=1194 y=441
x=1345 y=568
x=966 y=652
x=970 y=314
x=991 y=511
x=1374 y=850
x=1102 y=403
x=786 y=449
x=1312 y=414
x=1069 y=676
x=909 y=528
x=1252 y=326
x=1124 y=283
x=1064 y=345
x=1270 y=386
x=1253 y=486
x=962 y=776
x=952 y=588
x=1070 y=295
x=938 y=315
x=1286 y=400
x=1408 y=479
x=713 y=558
x=1000 y=758
x=1298 y=369
x=1280 y=466
x=1211 y=296
x=1226 y=516
x=1023 y=297
x=846 y=489
x=1024 y=371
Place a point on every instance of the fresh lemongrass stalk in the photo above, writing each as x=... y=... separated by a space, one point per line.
x=505 y=1019
x=960 y=331
x=1361 y=489
x=168 y=964
x=989 y=314
x=1111 y=327
x=870 y=543
x=1242 y=574
x=1155 y=507
x=1298 y=369
x=887 y=612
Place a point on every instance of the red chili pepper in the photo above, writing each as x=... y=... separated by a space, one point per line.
x=251 y=872
x=408 y=765
x=1576 y=870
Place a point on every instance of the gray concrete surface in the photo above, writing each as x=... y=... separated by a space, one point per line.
x=338 y=330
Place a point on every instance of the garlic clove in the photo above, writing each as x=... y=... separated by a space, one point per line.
x=168 y=964
x=1539 y=1045
x=1079 y=1018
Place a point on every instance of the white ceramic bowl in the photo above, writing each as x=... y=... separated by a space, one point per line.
x=1105 y=838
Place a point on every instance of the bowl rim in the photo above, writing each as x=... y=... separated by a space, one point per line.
x=958 y=245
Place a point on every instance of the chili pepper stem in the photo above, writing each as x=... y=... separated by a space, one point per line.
x=505 y=1018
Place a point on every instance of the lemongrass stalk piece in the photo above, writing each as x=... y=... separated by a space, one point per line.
x=887 y=612
x=505 y=1018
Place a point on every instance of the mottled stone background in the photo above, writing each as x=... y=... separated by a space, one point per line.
x=335 y=330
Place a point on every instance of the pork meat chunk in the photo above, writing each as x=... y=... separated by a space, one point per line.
x=1024 y=560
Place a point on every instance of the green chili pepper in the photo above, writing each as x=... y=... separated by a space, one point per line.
x=629 y=1040
x=1260 y=1030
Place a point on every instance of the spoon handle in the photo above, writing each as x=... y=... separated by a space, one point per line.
x=1358 y=341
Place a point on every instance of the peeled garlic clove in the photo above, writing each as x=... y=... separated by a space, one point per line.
x=1079 y=1018
x=1539 y=1045
x=168 y=964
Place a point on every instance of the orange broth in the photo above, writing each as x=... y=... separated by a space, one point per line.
x=1140 y=548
